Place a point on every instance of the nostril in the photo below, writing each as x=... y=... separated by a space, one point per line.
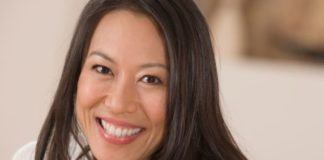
x=120 y=103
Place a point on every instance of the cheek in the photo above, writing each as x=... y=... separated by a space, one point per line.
x=155 y=107
x=89 y=92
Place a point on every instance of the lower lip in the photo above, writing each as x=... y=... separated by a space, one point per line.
x=115 y=140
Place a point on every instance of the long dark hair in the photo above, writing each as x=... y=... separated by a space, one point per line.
x=195 y=126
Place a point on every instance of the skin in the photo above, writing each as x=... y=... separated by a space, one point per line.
x=125 y=78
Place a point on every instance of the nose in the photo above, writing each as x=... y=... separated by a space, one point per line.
x=121 y=97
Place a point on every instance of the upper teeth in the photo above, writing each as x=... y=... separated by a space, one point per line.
x=118 y=131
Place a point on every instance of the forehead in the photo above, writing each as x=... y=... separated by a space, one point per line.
x=130 y=33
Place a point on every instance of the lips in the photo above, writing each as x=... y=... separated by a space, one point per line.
x=118 y=132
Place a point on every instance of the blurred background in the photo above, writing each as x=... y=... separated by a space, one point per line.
x=270 y=57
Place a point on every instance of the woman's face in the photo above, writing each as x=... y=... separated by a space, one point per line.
x=122 y=88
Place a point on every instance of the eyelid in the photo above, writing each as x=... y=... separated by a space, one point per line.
x=156 y=78
x=107 y=69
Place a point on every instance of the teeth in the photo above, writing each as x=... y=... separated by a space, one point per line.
x=117 y=131
x=124 y=132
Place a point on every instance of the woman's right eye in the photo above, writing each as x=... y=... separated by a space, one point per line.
x=102 y=69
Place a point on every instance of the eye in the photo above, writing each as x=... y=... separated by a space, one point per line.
x=151 y=80
x=102 y=69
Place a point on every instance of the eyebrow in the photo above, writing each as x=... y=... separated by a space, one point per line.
x=150 y=65
x=102 y=55
x=147 y=65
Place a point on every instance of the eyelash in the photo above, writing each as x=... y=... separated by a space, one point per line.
x=102 y=69
x=149 y=79
x=155 y=79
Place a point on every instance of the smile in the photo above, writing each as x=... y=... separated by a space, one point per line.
x=119 y=132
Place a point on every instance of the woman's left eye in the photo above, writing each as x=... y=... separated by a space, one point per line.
x=151 y=80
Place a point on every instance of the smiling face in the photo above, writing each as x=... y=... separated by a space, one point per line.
x=122 y=88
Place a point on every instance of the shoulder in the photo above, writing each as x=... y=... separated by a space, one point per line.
x=26 y=152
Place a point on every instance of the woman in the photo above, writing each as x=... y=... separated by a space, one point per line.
x=139 y=82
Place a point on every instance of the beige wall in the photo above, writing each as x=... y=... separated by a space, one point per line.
x=275 y=109
x=34 y=36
